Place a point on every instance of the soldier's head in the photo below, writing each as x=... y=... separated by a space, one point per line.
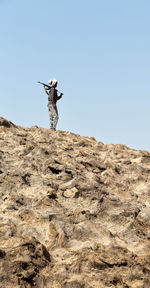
x=53 y=82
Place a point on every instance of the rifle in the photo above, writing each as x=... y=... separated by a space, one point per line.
x=48 y=86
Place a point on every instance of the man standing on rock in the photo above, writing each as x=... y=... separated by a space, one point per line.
x=52 y=99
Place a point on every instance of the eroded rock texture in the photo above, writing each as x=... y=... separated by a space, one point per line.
x=74 y=213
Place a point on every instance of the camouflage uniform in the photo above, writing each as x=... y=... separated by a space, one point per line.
x=52 y=108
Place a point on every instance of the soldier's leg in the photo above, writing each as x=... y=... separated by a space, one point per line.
x=51 y=116
x=55 y=118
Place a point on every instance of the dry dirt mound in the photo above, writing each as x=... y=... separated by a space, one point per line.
x=74 y=213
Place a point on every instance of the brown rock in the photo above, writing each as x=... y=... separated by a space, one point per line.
x=6 y=123
x=73 y=212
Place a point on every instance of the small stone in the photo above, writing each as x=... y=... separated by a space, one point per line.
x=71 y=193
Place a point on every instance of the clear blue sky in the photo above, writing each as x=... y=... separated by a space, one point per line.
x=98 y=50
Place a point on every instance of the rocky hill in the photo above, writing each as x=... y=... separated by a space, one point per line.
x=74 y=213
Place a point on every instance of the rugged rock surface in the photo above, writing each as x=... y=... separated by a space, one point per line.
x=74 y=213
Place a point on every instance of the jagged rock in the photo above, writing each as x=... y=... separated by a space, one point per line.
x=6 y=123
x=75 y=213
